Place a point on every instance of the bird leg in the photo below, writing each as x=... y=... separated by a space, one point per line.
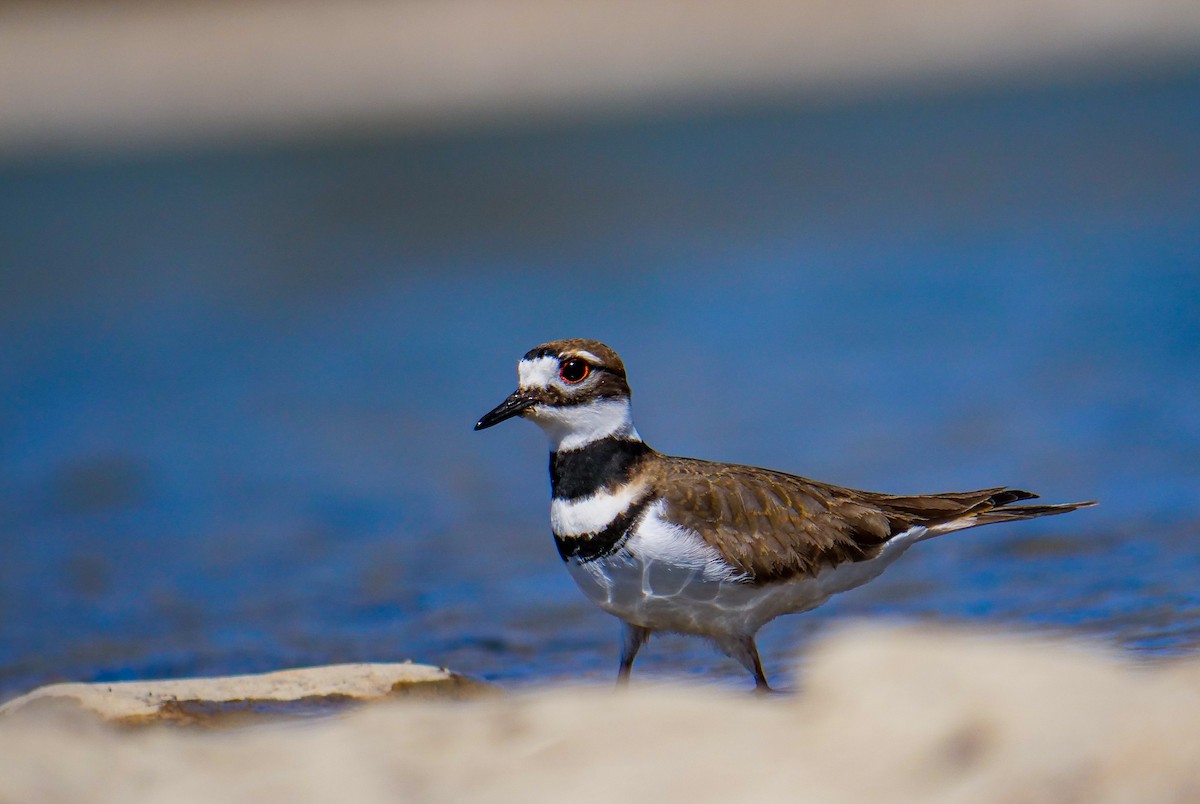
x=632 y=639
x=745 y=652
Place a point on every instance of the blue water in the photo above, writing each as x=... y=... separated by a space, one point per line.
x=237 y=386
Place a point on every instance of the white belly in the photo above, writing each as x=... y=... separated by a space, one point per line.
x=666 y=578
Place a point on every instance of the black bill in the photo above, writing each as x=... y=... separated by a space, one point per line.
x=516 y=404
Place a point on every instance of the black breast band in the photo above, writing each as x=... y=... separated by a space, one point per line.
x=590 y=546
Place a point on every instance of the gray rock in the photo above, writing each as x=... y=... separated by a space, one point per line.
x=231 y=700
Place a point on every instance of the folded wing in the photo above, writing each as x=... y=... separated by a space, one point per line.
x=773 y=525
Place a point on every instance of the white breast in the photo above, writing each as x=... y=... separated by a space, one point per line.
x=659 y=542
x=593 y=513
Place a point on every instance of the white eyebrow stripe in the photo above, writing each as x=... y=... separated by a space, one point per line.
x=537 y=373
x=588 y=355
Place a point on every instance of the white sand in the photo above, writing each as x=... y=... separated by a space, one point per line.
x=885 y=715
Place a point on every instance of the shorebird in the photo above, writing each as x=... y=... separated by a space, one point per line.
x=711 y=549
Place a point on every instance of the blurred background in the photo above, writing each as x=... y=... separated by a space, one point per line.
x=264 y=264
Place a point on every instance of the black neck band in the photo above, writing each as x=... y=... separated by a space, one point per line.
x=605 y=462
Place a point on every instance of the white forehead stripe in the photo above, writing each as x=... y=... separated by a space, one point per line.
x=537 y=373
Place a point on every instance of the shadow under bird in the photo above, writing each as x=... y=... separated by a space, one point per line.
x=712 y=549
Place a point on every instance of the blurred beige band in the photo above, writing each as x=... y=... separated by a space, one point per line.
x=129 y=74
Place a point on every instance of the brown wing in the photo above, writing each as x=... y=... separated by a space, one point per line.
x=772 y=525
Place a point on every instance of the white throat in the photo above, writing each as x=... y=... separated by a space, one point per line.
x=575 y=426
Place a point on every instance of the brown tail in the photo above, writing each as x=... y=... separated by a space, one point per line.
x=995 y=508
x=1028 y=511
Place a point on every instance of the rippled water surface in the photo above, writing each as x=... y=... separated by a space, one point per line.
x=238 y=386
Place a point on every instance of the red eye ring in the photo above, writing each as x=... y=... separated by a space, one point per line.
x=574 y=371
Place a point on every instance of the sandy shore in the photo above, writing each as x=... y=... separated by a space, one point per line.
x=129 y=74
x=895 y=715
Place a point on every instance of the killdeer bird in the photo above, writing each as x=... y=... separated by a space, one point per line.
x=711 y=549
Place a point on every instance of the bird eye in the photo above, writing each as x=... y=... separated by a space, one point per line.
x=574 y=371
